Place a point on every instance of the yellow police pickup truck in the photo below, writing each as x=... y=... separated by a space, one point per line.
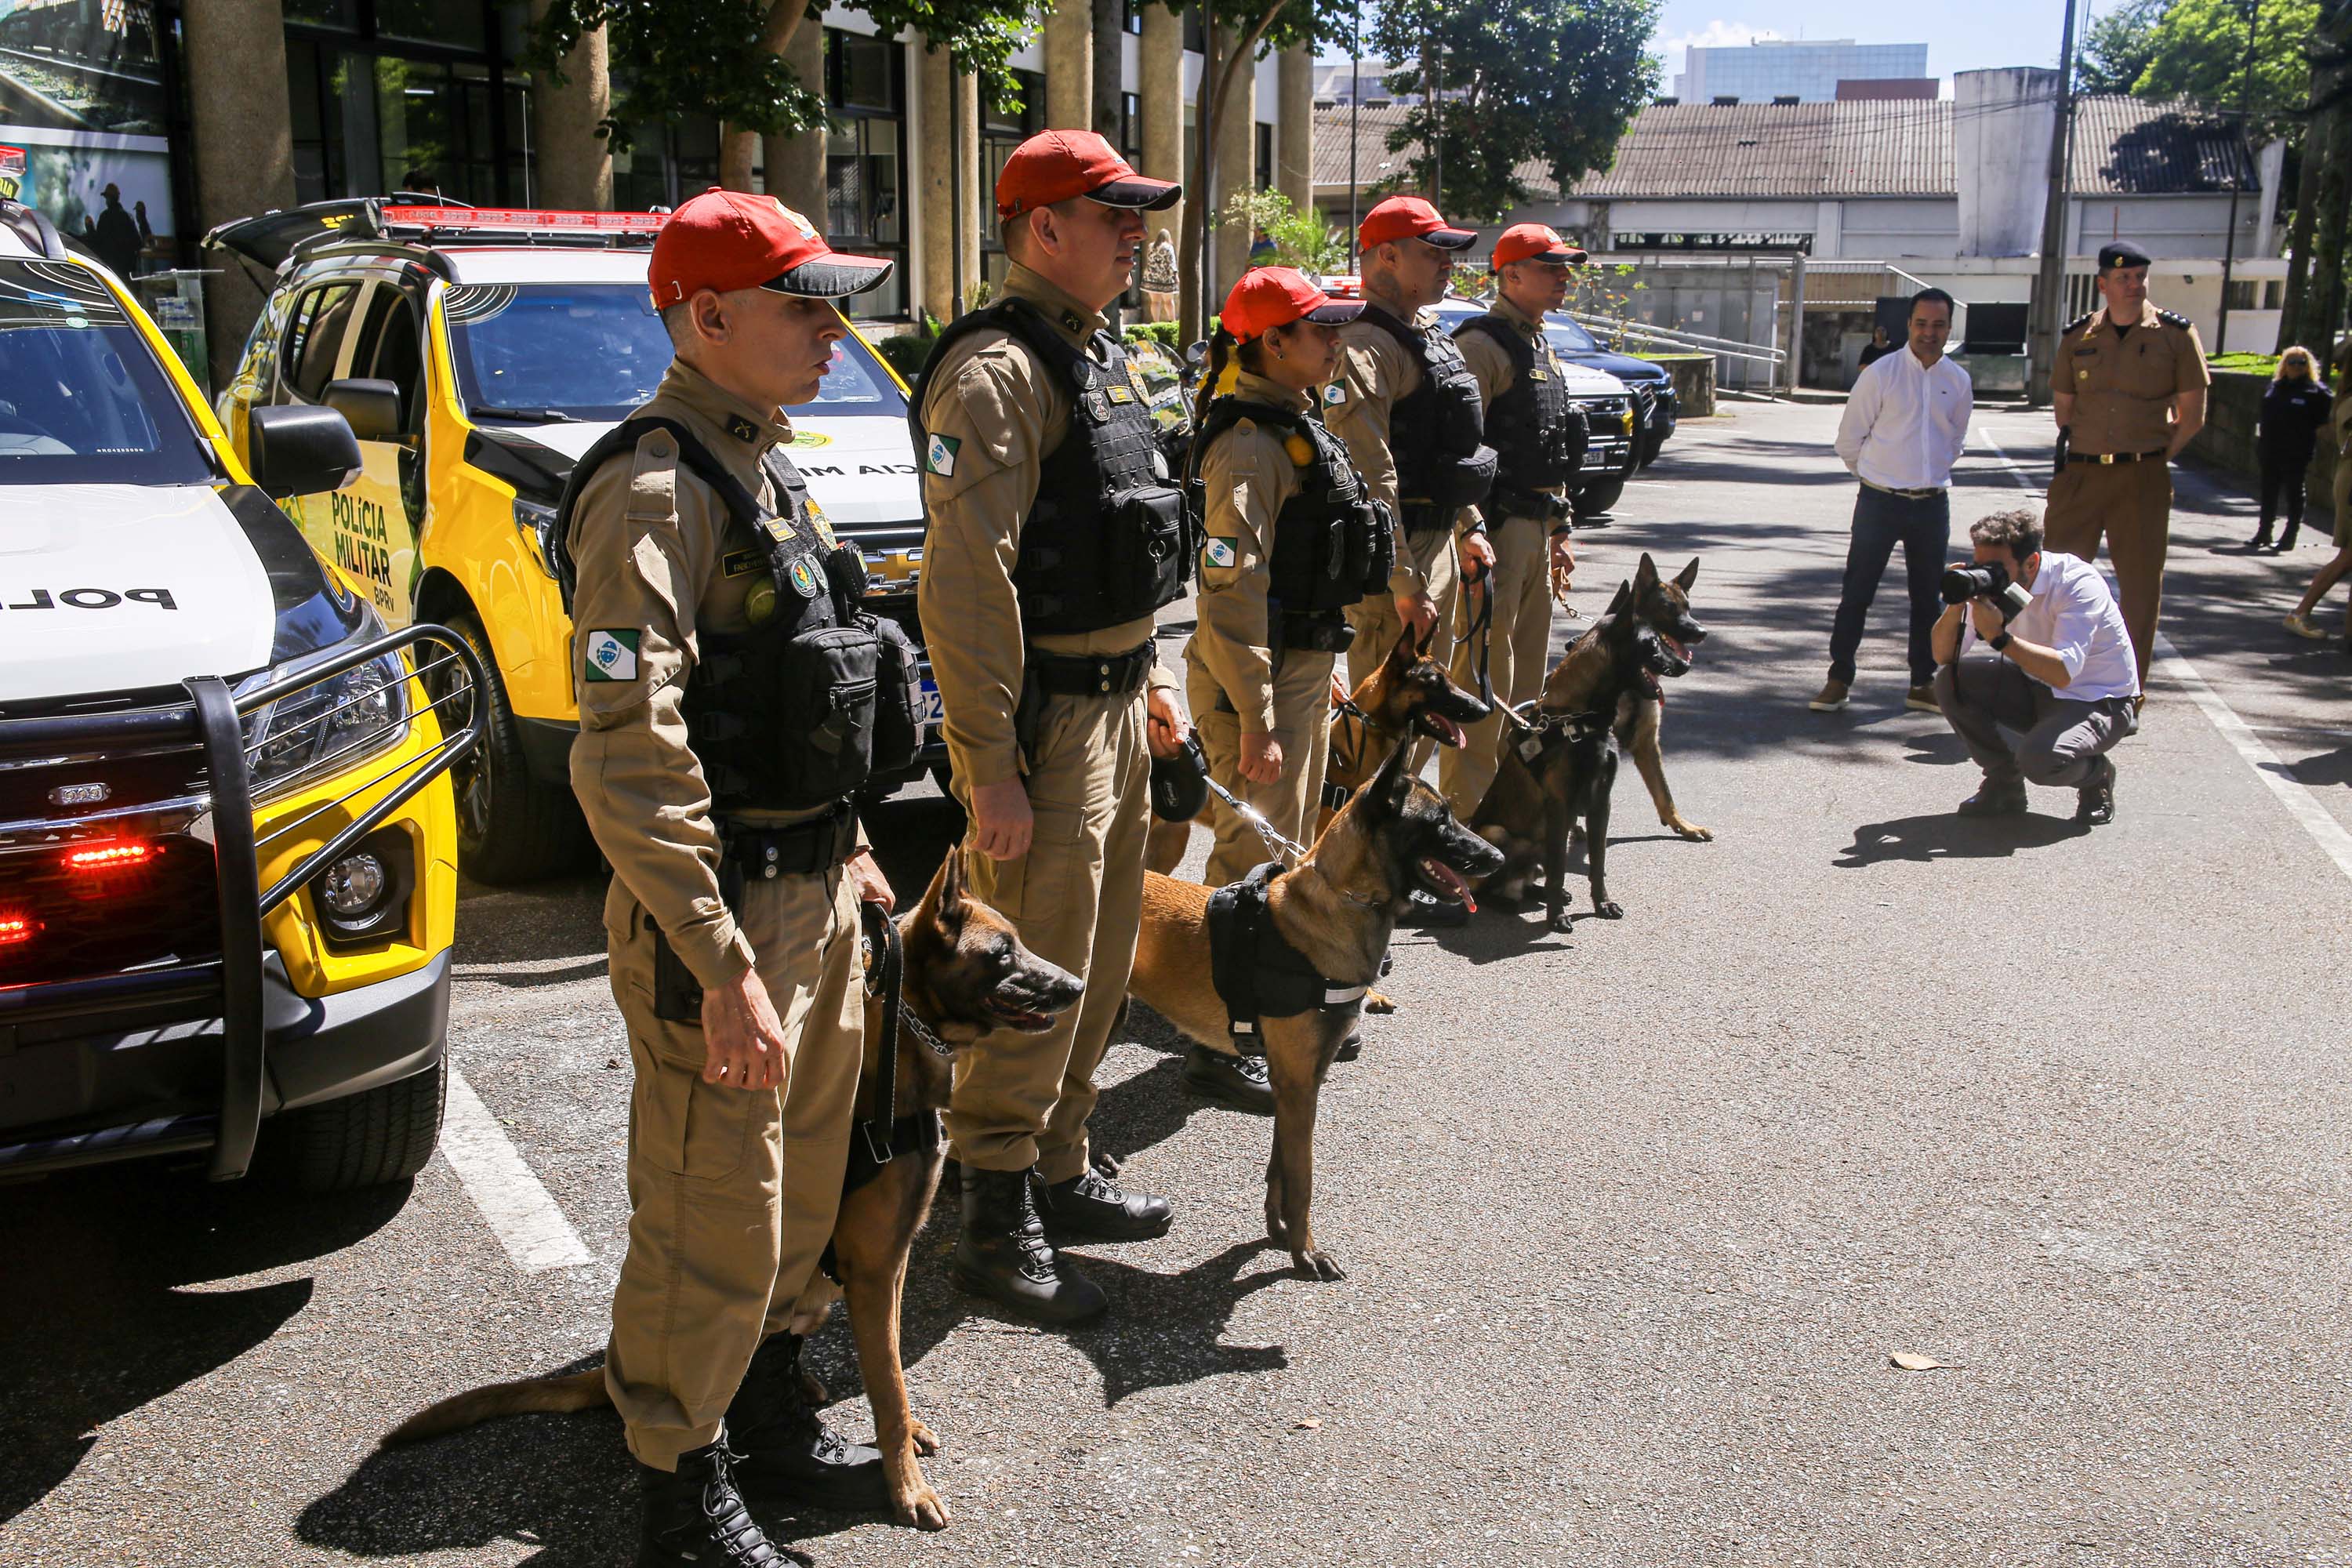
x=228 y=845
x=477 y=353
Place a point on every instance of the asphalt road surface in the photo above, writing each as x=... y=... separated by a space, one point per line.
x=1635 y=1218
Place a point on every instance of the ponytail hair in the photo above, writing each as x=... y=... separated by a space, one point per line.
x=1228 y=359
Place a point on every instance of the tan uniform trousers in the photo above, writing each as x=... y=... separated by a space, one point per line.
x=1077 y=897
x=1375 y=615
x=2131 y=504
x=1519 y=643
x=1302 y=723
x=732 y=1192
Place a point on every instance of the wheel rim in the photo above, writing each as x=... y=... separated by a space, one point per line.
x=470 y=777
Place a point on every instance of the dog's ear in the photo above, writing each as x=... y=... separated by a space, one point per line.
x=1401 y=657
x=1687 y=575
x=946 y=895
x=1422 y=641
x=1624 y=599
x=1392 y=788
x=1645 y=575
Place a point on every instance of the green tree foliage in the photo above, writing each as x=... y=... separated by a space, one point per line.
x=2200 y=52
x=1550 y=81
x=2118 y=47
x=1299 y=239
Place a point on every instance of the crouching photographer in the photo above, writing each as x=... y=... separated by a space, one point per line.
x=2060 y=671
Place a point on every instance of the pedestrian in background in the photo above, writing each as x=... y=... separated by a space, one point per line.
x=1876 y=349
x=115 y=235
x=1159 y=280
x=1906 y=422
x=2339 y=421
x=2294 y=408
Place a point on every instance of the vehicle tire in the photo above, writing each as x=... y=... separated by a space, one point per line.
x=383 y=1134
x=511 y=827
x=1596 y=498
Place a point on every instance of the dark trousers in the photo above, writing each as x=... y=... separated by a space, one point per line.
x=2061 y=738
x=1924 y=528
x=2282 y=480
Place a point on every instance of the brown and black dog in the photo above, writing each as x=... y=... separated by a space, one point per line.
x=1410 y=694
x=1664 y=604
x=1337 y=908
x=966 y=972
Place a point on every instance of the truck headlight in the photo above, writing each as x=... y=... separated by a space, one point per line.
x=537 y=523
x=332 y=722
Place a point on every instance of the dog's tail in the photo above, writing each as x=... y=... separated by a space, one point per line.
x=525 y=1396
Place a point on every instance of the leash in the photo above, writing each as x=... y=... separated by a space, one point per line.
x=888 y=980
x=1482 y=627
x=1289 y=853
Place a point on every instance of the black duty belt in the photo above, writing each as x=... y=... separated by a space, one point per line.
x=791 y=849
x=1091 y=674
x=2073 y=457
x=1919 y=492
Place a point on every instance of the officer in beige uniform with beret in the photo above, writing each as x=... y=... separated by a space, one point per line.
x=2129 y=394
x=702 y=585
x=1055 y=533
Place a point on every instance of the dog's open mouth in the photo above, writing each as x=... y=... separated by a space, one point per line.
x=1675 y=646
x=1008 y=1016
x=1441 y=729
x=1446 y=883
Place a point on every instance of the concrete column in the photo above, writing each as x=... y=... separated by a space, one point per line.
x=935 y=98
x=1236 y=133
x=241 y=121
x=570 y=165
x=1160 y=81
x=795 y=163
x=1069 y=65
x=1294 y=130
x=976 y=198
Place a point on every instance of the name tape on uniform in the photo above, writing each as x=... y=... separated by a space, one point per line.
x=611 y=654
x=939 y=457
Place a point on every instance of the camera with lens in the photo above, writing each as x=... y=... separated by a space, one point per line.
x=1985 y=580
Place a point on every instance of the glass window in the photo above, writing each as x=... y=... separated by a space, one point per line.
x=82 y=400
x=452 y=24
x=861 y=72
x=391 y=348
x=341 y=15
x=1130 y=127
x=314 y=340
x=1130 y=18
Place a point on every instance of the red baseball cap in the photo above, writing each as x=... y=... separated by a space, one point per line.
x=1410 y=217
x=732 y=239
x=1534 y=242
x=1055 y=165
x=1270 y=297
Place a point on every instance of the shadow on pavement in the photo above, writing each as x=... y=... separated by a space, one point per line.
x=1943 y=836
x=105 y=1325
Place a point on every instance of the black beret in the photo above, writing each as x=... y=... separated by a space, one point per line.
x=2121 y=253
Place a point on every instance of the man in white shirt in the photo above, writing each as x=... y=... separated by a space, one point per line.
x=1905 y=424
x=2062 y=675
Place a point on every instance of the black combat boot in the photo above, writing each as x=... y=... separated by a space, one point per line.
x=1091 y=1204
x=789 y=1454
x=1238 y=1081
x=1004 y=1255
x=696 y=1515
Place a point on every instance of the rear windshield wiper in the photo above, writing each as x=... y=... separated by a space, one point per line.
x=528 y=415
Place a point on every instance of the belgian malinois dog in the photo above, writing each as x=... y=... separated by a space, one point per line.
x=1410 y=694
x=1337 y=908
x=966 y=972
x=1665 y=602
x=1557 y=760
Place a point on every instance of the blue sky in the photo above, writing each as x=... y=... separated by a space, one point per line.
x=1982 y=33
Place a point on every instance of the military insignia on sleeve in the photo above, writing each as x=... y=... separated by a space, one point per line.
x=939 y=457
x=742 y=429
x=1220 y=553
x=1334 y=393
x=803 y=577
x=609 y=655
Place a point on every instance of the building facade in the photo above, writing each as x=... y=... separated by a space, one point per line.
x=1806 y=70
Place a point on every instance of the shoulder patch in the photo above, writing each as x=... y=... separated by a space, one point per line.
x=1218 y=552
x=820 y=523
x=939 y=455
x=1334 y=393
x=2079 y=322
x=609 y=654
x=2172 y=319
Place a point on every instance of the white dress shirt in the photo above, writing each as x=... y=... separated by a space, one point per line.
x=2075 y=615
x=1906 y=422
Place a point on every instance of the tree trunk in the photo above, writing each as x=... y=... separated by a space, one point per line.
x=1110 y=47
x=738 y=147
x=2325 y=300
x=1216 y=81
x=2299 y=234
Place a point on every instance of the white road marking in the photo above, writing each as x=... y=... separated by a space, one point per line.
x=2300 y=802
x=518 y=1209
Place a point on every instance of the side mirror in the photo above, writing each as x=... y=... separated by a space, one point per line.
x=1196 y=354
x=370 y=407
x=293 y=449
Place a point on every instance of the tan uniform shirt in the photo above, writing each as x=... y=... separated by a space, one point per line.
x=2123 y=382
x=1376 y=374
x=1492 y=365
x=660 y=558
x=1247 y=476
x=1001 y=413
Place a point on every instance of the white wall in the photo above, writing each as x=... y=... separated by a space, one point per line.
x=1897 y=229
x=2166 y=226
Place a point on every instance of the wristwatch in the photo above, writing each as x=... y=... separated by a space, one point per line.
x=2000 y=641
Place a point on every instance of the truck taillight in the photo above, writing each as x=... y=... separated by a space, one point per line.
x=16 y=928
x=117 y=855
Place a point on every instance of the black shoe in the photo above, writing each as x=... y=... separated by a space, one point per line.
x=2262 y=539
x=1090 y=1204
x=1238 y=1081
x=2094 y=803
x=2286 y=540
x=1434 y=914
x=789 y=1454
x=1995 y=800
x=1004 y=1255
x=696 y=1515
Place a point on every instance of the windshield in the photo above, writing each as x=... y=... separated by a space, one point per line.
x=82 y=400
x=596 y=351
x=1567 y=336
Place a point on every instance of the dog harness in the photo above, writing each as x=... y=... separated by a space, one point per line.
x=1257 y=973
x=877 y=1141
x=1549 y=731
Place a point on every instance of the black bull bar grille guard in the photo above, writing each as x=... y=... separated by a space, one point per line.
x=440 y=664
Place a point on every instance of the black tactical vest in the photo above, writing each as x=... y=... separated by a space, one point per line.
x=1332 y=544
x=805 y=705
x=1437 y=434
x=1104 y=542
x=1540 y=436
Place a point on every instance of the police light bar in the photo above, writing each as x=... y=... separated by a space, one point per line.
x=16 y=928
x=12 y=170
x=522 y=220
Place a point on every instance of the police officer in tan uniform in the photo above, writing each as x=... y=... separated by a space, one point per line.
x=2129 y=391
x=734 y=911
x=1055 y=531
x=1539 y=439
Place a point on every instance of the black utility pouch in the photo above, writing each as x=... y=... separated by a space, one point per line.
x=1146 y=552
x=677 y=994
x=899 y=699
x=831 y=678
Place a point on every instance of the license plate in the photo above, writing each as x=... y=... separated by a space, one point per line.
x=934 y=713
